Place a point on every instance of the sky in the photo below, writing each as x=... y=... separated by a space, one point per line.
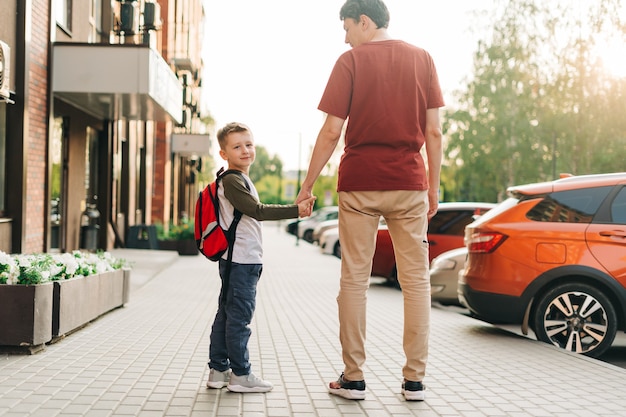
x=267 y=62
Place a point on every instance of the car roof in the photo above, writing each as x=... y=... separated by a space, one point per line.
x=328 y=222
x=464 y=205
x=568 y=183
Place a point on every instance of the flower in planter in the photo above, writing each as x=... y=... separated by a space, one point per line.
x=9 y=271
x=86 y=263
x=114 y=263
x=34 y=269
x=39 y=268
x=64 y=267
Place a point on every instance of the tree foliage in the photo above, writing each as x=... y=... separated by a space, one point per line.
x=539 y=101
x=266 y=173
x=325 y=189
x=264 y=164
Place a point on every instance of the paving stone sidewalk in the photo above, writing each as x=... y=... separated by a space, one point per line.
x=149 y=357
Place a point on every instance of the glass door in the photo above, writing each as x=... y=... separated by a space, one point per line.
x=58 y=183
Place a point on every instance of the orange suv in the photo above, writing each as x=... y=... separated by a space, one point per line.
x=552 y=257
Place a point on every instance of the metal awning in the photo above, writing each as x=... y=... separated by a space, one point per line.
x=114 y=82
x=191 y=144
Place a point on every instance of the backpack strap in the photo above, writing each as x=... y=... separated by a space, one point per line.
x=237 y=214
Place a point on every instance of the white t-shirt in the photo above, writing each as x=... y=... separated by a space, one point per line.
x=248 y=247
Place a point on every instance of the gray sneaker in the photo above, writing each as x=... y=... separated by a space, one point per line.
x=218 y=379
x=248 y=383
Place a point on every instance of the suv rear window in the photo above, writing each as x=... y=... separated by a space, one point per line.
x=572 y=206
x=618 y=209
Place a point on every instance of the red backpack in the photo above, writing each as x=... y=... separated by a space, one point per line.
x=211 y=238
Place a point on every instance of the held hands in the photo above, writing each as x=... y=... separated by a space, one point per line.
x=305 y=206
x=304 y=194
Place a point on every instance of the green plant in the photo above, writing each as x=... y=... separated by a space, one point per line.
x=182 y=231
x=160 y=231
x=31 y=269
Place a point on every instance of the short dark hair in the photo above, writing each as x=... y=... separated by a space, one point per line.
x=231 y=127
x=374 y=9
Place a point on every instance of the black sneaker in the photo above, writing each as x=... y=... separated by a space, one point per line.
x=413 y=391
x=351 y=390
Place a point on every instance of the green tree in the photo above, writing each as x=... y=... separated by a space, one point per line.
x=264 y=164
x=536 y=101
x=266 y=172
x=270 y=189
x=491 y=136
x=325 y=189
x=582 y=98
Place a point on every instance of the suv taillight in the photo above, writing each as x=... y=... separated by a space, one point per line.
x=485 y=242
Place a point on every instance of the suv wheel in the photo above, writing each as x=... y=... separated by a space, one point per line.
x=576 y=317
x=308 y=235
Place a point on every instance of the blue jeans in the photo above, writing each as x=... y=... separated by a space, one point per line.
x=231 y=328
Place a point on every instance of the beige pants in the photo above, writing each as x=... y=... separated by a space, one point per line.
x=406 y=216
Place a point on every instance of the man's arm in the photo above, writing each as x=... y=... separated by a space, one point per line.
x=434 y=151
x=324 y=147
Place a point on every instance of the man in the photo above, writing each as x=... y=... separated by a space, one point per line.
x=389 y=92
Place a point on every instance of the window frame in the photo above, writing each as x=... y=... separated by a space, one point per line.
x=63 y=14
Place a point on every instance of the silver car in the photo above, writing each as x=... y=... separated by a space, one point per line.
x=444 y=276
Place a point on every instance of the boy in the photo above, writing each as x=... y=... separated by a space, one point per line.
x=228 y=354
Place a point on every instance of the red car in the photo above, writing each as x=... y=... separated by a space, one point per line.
x=445 y=232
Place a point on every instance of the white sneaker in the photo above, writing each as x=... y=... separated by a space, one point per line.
x=248 y=383
x=218 y=379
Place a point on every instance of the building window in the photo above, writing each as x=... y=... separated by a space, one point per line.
x=64 y=14
x=95 y=21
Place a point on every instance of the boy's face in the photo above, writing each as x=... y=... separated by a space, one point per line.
x=239 y=151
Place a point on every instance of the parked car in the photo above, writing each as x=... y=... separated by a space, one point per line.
x=293 y=226
x=322 y=227
x=444 y=276
x=445 y=232
x=306 y=225
x=552 y=257
x=329 y=242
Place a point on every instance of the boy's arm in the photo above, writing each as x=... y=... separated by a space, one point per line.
x=240 y=197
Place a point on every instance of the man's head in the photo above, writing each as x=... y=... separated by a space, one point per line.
x=374 y=9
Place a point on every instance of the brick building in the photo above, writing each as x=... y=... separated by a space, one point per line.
x=99 y=119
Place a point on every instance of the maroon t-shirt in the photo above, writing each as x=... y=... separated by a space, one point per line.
x=383 y=88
